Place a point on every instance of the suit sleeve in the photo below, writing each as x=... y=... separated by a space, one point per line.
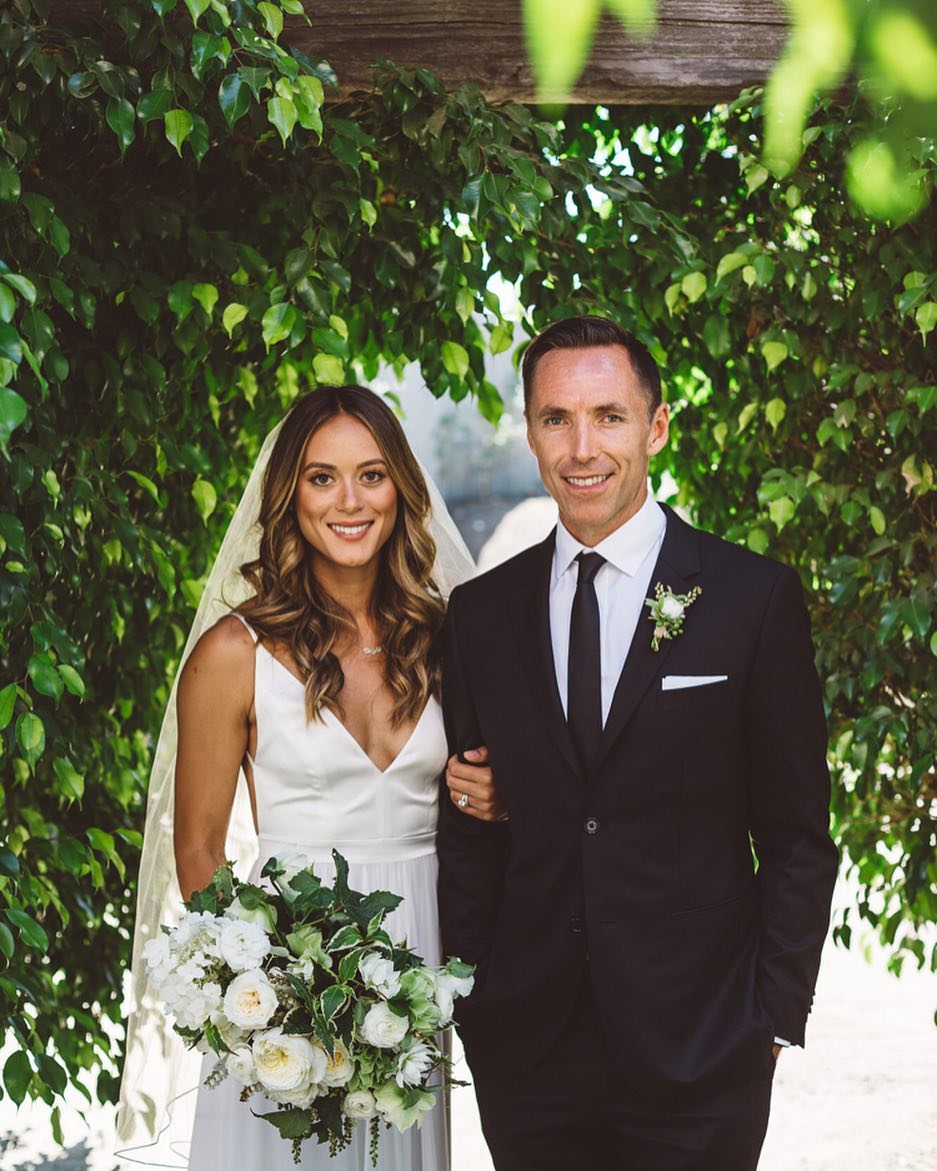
x=472 y=853
x=790 y=809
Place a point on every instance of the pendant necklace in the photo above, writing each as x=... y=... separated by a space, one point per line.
x=372 y=650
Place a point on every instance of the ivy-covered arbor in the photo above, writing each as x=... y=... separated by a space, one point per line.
x=190 y=234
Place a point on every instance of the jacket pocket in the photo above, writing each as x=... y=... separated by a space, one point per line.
x=711 y=908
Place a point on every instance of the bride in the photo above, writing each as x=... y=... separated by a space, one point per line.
x=320 y=692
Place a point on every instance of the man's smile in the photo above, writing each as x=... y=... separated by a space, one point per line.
x=587 y=481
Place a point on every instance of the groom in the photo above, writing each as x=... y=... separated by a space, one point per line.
x=647 y=923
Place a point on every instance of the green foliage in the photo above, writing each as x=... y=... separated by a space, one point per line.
x=169 y=284
x=890 y=46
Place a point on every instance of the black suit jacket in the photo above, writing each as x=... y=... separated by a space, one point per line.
x=694 y=866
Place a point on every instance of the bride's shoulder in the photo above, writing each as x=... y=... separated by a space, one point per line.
x=224 y=649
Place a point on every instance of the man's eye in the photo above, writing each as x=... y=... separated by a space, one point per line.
x=553 y=420
x=614 y=418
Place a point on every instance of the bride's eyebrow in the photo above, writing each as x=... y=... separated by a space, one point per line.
x=368 y=463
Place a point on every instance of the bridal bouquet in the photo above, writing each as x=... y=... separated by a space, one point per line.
x=307 y=1001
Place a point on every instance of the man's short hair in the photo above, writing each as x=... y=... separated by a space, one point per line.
x=580 y=333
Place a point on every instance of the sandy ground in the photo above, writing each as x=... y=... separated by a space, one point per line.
x=861 y=1097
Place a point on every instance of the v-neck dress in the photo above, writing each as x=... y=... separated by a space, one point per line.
x=317 y=789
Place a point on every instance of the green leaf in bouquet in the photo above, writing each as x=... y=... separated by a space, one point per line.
x=297 y=1023
x=333 y=1000
x=292 y=1123
x=456 y=967
x=375 y=906
x=341 y=887
x=325 y=1034
x=251 y=897
x=214 y=1038
x=348 y=965
x=399 y=1006
x=305 y=882
x=223 y=882
x=377 y=934
x=405 y=959
x=346 y=937
x=273 y=868
x=303 y=991
x=217 y=895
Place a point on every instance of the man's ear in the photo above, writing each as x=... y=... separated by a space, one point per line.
x=659 y=430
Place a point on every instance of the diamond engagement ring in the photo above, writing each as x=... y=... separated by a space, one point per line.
x=463 y=801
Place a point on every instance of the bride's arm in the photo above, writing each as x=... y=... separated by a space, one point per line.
x=214 y=703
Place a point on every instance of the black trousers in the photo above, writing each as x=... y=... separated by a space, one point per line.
x=574 y=1112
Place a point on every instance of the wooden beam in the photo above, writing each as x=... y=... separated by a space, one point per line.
x=703 y=51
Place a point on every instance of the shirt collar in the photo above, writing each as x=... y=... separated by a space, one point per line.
x=625 y=548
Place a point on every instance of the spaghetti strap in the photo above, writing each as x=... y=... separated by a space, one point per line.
x=247 y=626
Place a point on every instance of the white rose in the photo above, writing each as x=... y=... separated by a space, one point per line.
x=382 y=1027
x=414 y=1064
x=303 y=1097
x=243 y=945
x=287 y=1062
x=671 y=608
x=340 y=1067
x=359 y=1104
x=264 y=916
x=240 y=1065
x=448 y=987
x=250 y=1000
x=379 y=973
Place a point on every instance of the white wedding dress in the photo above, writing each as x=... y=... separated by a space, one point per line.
x=316 y=789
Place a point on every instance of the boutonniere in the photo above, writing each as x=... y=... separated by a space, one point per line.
x=668 y=611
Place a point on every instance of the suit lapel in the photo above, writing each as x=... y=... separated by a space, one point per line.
x=530 y=612
x=677 y=564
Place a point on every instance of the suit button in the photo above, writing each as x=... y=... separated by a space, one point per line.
x=592 y=825
x=577 y=926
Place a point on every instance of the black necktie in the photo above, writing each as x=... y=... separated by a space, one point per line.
x=584 y=687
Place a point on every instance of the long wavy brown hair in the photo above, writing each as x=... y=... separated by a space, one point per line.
x=290 y=608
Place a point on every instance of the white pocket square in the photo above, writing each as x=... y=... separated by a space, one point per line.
x=675 y=682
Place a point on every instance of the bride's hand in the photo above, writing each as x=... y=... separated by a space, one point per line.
x=472 y=786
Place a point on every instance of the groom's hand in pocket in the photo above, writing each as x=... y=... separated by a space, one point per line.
x=472 y=786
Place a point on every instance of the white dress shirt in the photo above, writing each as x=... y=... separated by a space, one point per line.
x=621 y=586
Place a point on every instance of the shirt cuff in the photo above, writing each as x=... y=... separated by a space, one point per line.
x=782 y=1042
